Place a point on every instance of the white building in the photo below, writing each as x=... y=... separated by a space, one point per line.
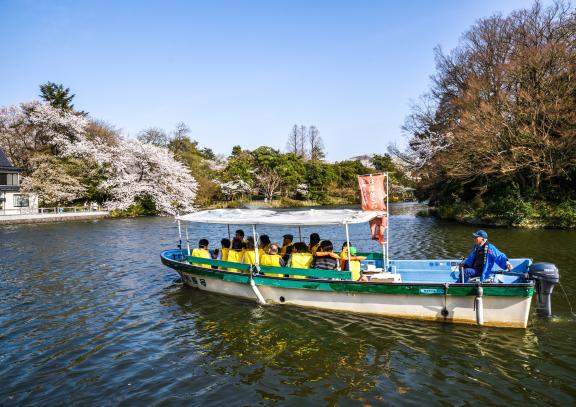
x=12 y=201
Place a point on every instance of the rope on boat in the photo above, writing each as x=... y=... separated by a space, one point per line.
x=567 y=299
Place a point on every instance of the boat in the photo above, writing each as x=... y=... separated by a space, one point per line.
x=414 y=289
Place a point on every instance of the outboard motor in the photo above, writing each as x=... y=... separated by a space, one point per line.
x=546 y=276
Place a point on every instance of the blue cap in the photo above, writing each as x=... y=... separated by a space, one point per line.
x=480 y=233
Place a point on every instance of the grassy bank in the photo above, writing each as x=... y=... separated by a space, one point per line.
x=518 y=213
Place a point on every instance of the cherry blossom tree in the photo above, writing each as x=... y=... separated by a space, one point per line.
x=144 y=171
x=231 y=189
x=35 y=126
x=51 y=182
x=44 y=140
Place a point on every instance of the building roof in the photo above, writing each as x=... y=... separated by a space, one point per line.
x=5 y=163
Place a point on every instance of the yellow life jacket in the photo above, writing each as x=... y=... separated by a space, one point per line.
x=204 y=253
x=300 y=261
x=224 y=256
x=354 y=264
x=314 y=249
x=272 y=260
x=343 y=258
x=355 y=269
x=284 y=249
x=235 y=256
x=249 y=257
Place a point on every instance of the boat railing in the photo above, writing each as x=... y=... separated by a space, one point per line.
x=240 y=267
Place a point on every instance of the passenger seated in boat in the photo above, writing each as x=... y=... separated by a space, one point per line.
x=300 y=257
x=287 y=247
x=264 y=243
x=272 y=258
x=225 y=243
x=354 y=266
x=250 y=254
x=325 y=258
x=481 y=259
x=314 y=243
x=239 y=235
x=236 y=253
x=201 y=251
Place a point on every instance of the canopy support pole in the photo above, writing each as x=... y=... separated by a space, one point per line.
x=348 y=247
x=300 y=233
x=179 y=236
x=253 y=285
x=387 y=222
x=229 y=236
x=187 y=241
x=256 y=252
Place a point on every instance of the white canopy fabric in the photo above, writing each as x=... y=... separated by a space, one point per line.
x=294 y=218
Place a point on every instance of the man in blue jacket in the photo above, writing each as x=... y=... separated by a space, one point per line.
x=481 y=259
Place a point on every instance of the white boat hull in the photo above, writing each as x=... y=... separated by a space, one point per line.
x=500 y=311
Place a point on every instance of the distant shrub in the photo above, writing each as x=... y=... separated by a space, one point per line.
x=566 y=213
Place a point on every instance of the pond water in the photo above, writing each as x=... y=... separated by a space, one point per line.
x=89 y=315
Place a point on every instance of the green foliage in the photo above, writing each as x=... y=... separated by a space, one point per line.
x=383 y=163
x=265 y=158
x=240 y=167
x=57 y=95
x=143 y=207
x=566 y=213
x=347 y=172
x=186 y=151
x=319 y=177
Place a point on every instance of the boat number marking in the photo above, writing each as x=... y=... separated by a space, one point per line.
x=431 y=291
x=194 y=281
x=203 y=282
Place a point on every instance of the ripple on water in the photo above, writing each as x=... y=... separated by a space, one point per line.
x=90 y=315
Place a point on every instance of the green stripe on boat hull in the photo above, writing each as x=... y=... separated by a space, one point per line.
x=504 y=305
x=427 y=289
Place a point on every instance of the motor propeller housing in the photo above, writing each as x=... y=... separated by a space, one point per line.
x=546 y=276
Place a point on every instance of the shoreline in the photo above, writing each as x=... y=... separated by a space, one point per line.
x=51 y=217
x=500 y=222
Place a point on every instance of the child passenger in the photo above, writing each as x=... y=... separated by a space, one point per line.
x=314 y=243
x=201 y=251
x=272 y=258
x=325 y=258
x=236 y=253
x=300 y=258
x=354 y=266
x=264 y=243
x=249 y=254
x=225 y=243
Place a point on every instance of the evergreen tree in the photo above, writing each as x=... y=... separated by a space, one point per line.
x=56 y=95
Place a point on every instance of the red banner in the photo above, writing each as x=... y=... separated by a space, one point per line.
x=378 y=227
x=373 y=192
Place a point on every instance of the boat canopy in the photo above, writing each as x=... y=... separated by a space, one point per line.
x=293 y=218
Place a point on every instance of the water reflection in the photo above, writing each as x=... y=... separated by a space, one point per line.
x=88 y=314
x=334 y=357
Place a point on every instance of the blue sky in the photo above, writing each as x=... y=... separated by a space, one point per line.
x=237 y=72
